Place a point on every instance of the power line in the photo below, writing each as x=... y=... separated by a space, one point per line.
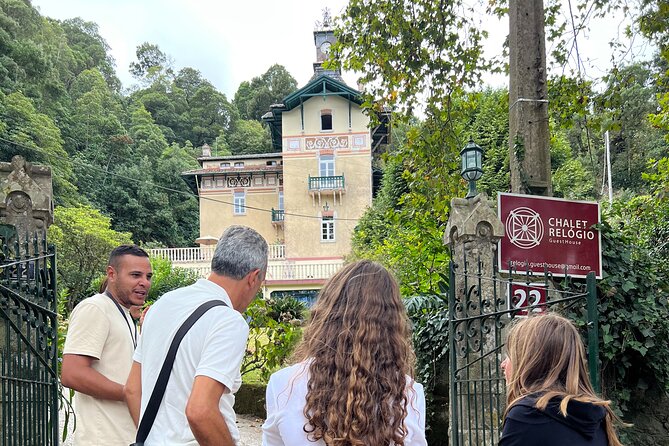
x=158 y=186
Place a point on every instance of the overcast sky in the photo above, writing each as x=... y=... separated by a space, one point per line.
x=233 y=41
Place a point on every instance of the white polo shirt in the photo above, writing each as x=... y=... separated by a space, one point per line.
x=213 y=347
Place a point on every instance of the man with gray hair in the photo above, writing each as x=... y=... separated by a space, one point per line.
x=198 y=404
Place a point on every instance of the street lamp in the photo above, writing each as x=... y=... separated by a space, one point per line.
x=472 y=166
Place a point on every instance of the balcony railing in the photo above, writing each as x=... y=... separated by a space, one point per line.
x=277 y=215
x=203 y=254
x=302 y=271
x=335 y=182
x=200 y=254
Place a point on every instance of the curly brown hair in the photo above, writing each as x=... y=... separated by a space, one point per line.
x=358 y=347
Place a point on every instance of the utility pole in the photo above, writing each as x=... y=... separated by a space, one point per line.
x=529 y=153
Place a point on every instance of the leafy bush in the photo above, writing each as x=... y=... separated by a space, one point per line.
x=286 y=309
x=271 y=341
x=167 y=277
x=429 y=319
x=83 y=239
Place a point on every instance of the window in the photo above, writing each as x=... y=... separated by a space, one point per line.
x=326 y=166
x=239 y=164
x=225 y=165
x=280 y=200
x=271 y=163
x=207 y=184
x=240 y=203
x=326 y=120
x=327 y=229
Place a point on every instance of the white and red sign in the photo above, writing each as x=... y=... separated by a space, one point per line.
x=527 y=298
x=549 y=234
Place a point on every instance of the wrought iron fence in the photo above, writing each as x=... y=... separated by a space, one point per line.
x=481 y=306
x=28 y=343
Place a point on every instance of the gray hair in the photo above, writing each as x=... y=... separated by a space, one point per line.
x=239 y=251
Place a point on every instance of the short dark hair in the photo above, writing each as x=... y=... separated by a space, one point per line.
x=125 y=250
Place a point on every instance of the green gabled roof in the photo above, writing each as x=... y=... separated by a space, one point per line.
x=323 y=85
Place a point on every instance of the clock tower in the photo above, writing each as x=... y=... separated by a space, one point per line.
x=324 y=38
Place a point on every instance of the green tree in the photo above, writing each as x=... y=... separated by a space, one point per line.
x=254 y=98
x=83 y=239
x=249 y=137
x=25 y=131
x=151 y=62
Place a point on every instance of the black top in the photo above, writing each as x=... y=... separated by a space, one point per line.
x=525 y=425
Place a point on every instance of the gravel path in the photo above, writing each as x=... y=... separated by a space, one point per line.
x=250 y=430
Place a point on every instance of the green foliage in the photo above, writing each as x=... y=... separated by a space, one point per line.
x=286 y=309
x=633 y=307
x=429 y=319
x=83 y=238
x=411 y=50
x=166 y=278
x=573 y=181
x=249 y=137
x=24 y=131
x=270 y=341
x=151 y=62
x=254 y=98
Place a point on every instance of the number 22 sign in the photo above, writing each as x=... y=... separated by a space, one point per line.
x=527 y=298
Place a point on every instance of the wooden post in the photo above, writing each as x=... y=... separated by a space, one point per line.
x=529 y=154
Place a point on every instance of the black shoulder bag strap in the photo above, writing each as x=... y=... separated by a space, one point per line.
x=161 y=383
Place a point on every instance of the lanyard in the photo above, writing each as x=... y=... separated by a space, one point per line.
x=133 y=336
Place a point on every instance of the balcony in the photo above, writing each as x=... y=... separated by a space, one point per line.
x=278 y=272
x=201 y=256
x=331 y=183
x=277 y=217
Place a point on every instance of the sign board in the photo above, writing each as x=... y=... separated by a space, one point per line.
x=544 y=233
x=527 y=294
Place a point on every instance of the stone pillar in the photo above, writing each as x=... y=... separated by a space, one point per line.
x=26 y=205
x=472 y=233
x=529 y=154
x=26 y=211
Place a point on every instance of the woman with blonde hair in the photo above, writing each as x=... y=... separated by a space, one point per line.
x=353 y=381
x=550 y=400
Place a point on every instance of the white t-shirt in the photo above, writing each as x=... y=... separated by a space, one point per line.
x=98 y=329
x=213 y=347
x=286 y=397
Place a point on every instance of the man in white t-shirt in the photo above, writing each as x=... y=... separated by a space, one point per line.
x=197 y=408
x=97 y=356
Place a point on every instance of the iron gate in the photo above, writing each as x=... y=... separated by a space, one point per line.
x=479 y=313
x=28 y=344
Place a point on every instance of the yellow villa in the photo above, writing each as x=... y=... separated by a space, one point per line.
x=306 y=198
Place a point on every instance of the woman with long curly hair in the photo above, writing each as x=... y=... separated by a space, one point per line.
x=353 y=382
x=550 y=401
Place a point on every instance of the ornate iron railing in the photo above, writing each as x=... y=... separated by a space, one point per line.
x=29 y=392
x=277 y=215
x=335 y=182
x=481 y=306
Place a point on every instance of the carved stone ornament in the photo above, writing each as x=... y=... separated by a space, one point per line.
x=473 y=218
x=25 y=196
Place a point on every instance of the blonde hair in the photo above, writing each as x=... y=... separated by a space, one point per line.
x=548 y=358
x=359 y=351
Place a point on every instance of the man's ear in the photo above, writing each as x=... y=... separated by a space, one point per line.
x=253 y=276
x=111 y=272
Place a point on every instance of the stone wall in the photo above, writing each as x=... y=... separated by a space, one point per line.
x=649 y=414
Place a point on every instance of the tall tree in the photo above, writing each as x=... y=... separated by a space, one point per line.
x=254 y=98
